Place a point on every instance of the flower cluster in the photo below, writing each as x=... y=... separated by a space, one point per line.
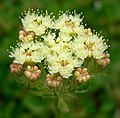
x=60 y=45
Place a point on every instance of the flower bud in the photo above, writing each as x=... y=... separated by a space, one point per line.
x=22 y=32
x=32 y=72
x=21 y=37
x=27 y=73
x=53 y=80
x=104 y=61
x=81 y=75
x=16 y=68
x=26 y=35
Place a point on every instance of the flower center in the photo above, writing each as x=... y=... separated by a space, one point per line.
x=64 y=63
x=89 y=45
x=28 y=53
x=70 y=24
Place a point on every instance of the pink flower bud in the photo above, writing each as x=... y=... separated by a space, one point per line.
x=104 y=61
x=16 y=68
x=81 y=75
x=53 y=80
x=35 y=68
x=32 y=72
x=27 y=73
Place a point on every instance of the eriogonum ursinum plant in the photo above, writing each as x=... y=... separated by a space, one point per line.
x=55 y=56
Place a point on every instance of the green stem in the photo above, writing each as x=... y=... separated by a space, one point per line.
x=57 y=111
x=60 y=105
x=73 y=86
x=43 y=72
x=64 y=86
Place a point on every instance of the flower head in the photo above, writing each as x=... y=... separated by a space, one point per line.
x=63 y=62
x=60 y=45
x=59 y=51
x=96 y=46
x=78 y=47
x=28 y=52
x=36 y=23
x=68 y=23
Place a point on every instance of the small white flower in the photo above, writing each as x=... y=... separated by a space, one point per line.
x=68 y=23
x=78 y=48
x=63 y=63
x=64 y=36
x=96 y=46
x=60 y=48
x=28 y=52
x=35 y=23
x=49 y=39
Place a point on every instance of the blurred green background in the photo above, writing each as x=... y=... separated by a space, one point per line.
x=103 y=98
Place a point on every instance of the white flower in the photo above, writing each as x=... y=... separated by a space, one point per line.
x=78 y=47
x=29 y=52
x=60 y=48
x=49 y=39
x=64 y=37
x=68 y=23
x=35 y=23
x=63 y=63
x=62 y=44
x=96 y=46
